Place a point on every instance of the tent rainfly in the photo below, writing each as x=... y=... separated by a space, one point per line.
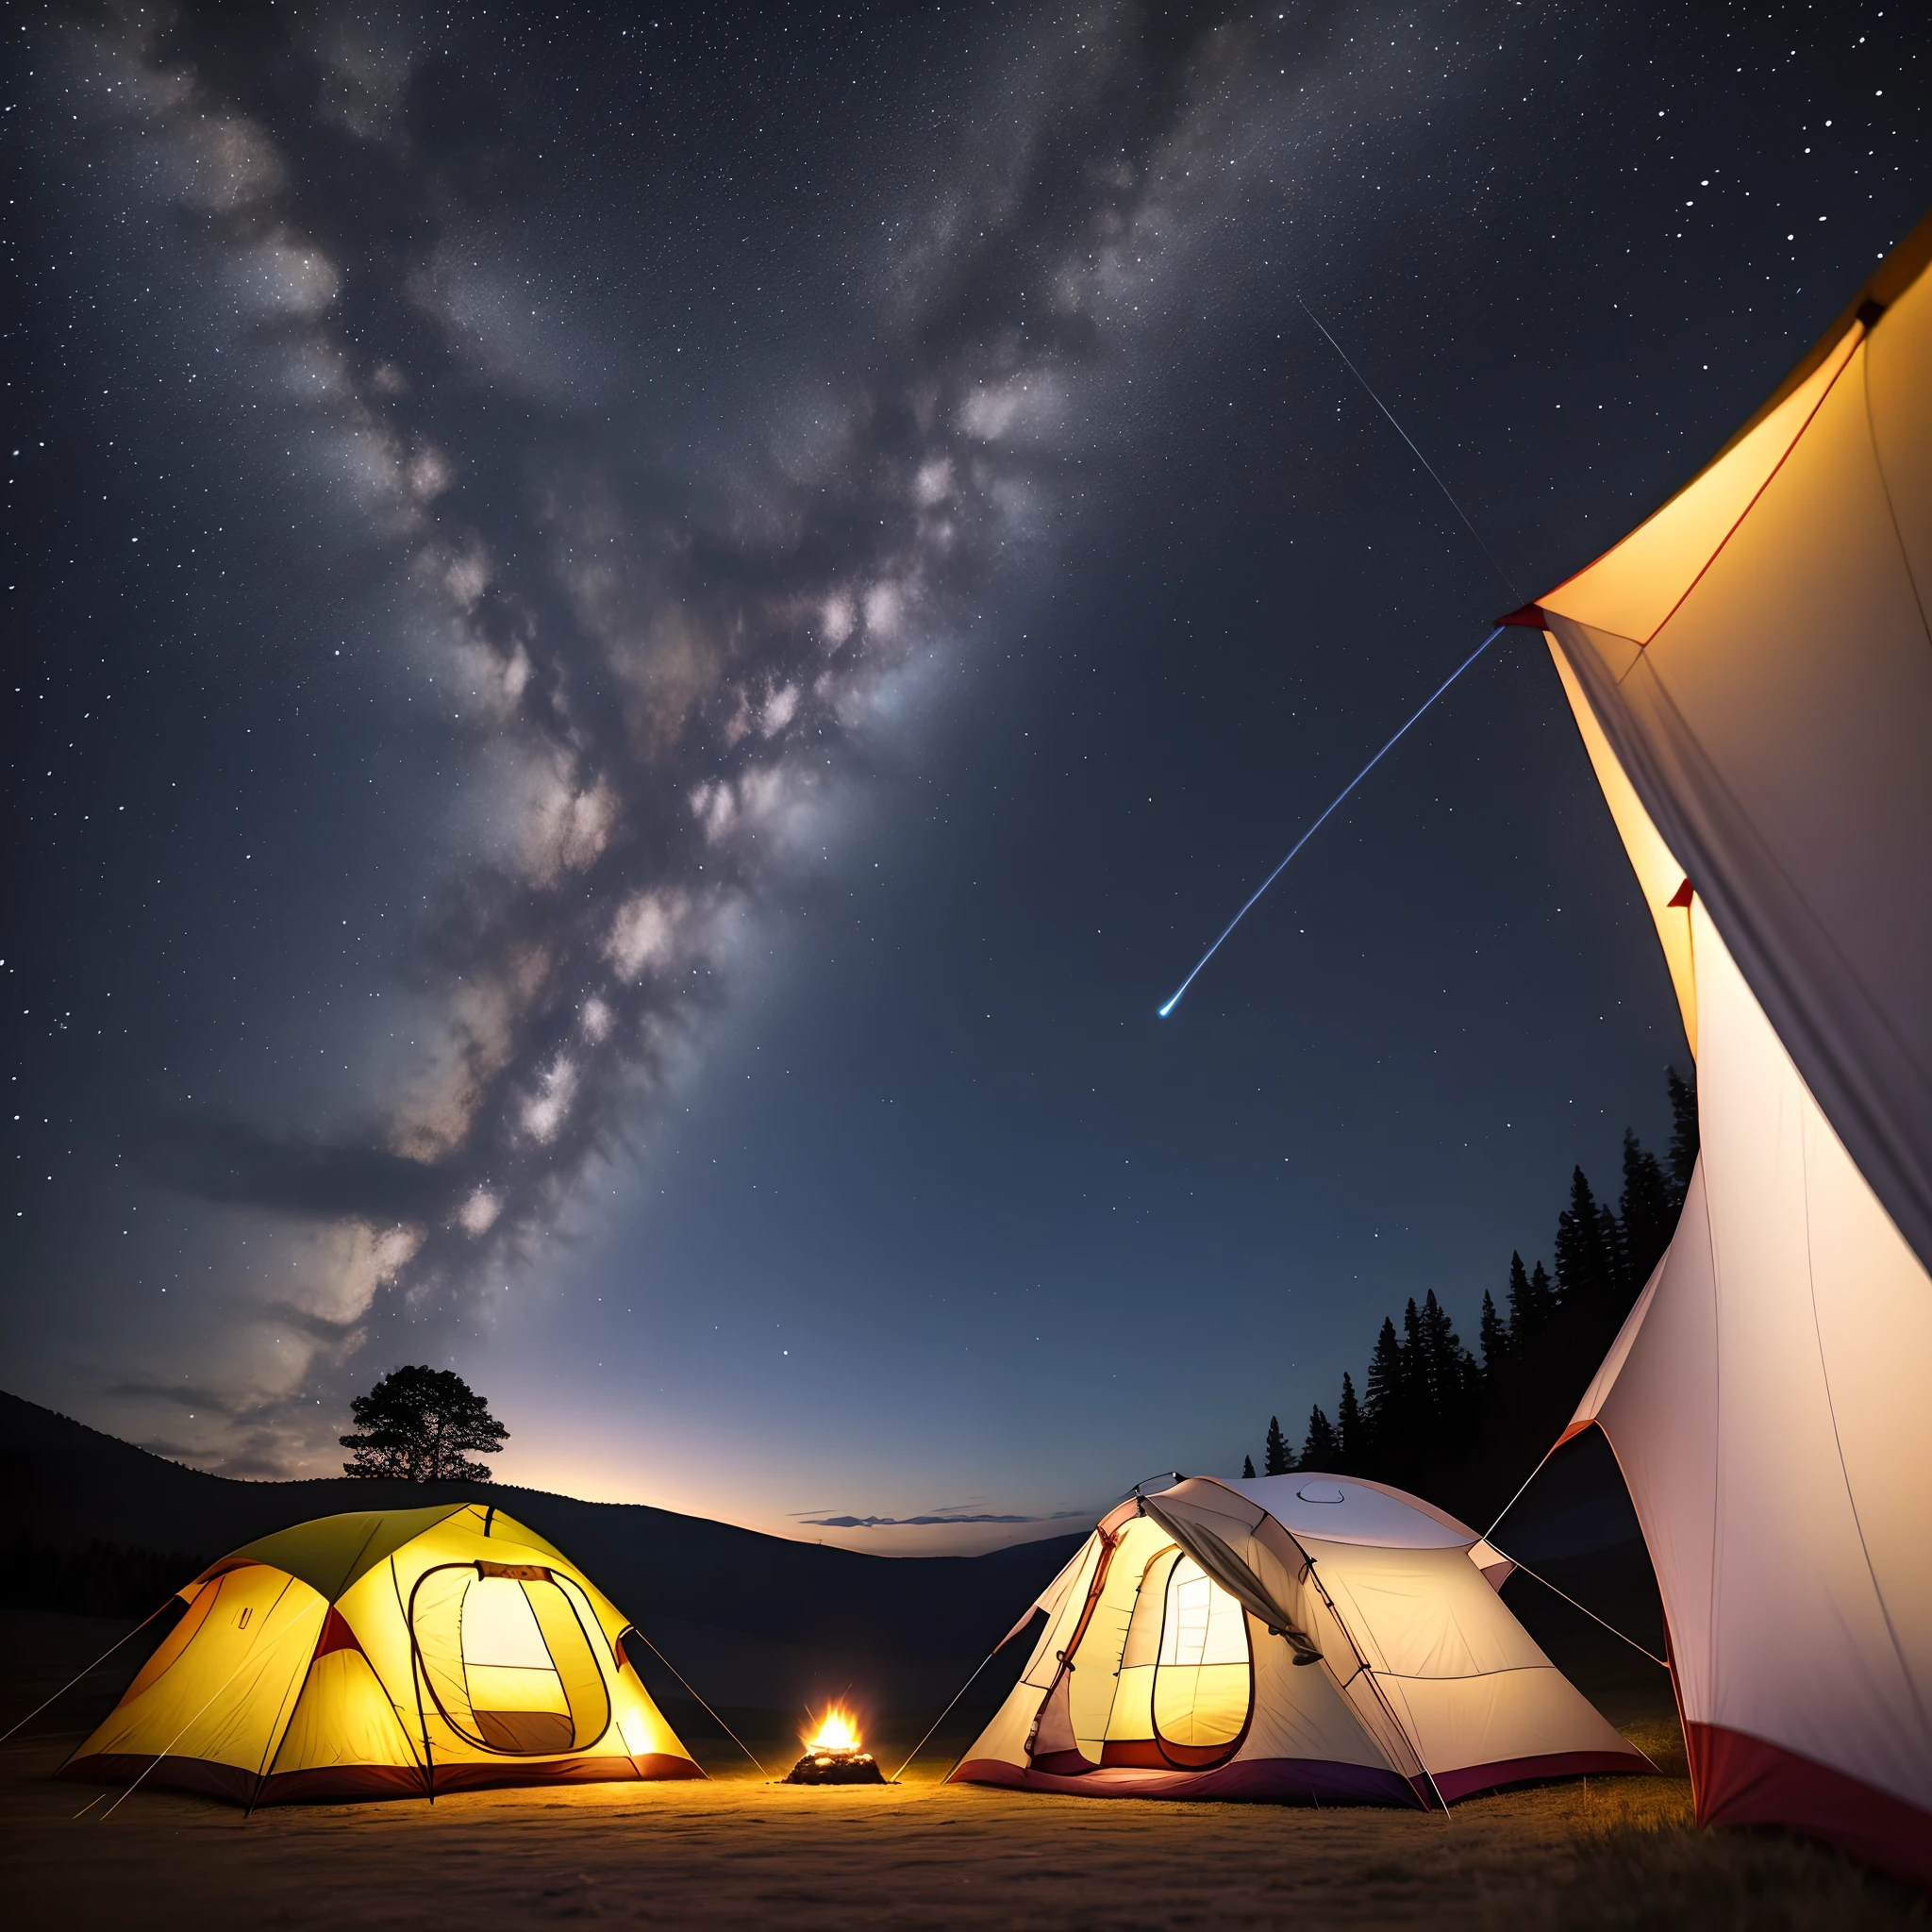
x=388 y=1653
x=1296 y=1638
x=1751 y=671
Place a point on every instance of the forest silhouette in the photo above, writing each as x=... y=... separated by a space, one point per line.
x=1461 y=1426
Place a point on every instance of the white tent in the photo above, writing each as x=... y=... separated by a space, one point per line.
x=1752 y=673
x=1301 y=1637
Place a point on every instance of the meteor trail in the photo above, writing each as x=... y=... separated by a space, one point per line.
x=1322 y=820
x=1416 y=453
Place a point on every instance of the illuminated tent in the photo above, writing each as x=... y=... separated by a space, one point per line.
x=1301 y=1637
x=1752 y=673
x=389 y=1654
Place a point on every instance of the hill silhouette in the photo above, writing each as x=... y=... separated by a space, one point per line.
x=754 y=1622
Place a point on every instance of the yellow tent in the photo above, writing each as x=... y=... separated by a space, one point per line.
x=388 y=1653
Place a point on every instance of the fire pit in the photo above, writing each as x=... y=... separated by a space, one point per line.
x=833 y=1756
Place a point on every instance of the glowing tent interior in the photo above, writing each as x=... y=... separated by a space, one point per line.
x=1298 y=1637
x=1751 y=671
x=389 y=1654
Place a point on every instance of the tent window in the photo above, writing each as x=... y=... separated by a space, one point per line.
x=1204 y=1680
x=507 y=1660
x=1204 y=1624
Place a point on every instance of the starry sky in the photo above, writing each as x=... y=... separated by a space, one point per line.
x=642 y=641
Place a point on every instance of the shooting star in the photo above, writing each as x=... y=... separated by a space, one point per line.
x=1434 y=696
x=1326 y=816
x=1423 y=461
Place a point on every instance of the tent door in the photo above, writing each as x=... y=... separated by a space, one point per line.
x=1204 y=1681
x=505 y=1654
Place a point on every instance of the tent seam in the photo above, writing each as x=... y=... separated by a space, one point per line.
x=1890 y=507
x=1837 y=1439
x=1756 y=495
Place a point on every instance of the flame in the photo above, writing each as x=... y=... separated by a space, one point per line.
x=837 y=1731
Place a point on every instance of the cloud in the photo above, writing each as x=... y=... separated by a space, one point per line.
x=943 y=1518
x=231 y=1162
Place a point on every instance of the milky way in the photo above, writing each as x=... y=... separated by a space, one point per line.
x=619 y=436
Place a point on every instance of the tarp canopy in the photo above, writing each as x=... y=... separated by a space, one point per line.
x=1199 y=1647
x=1750 y=672
x=388 y=1653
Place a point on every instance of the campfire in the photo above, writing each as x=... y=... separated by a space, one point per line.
x=833 y=1755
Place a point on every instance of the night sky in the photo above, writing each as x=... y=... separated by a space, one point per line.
x=640 y=644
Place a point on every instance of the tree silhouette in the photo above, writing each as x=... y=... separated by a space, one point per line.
x=1349 y=1442
x=1647 y=1216
x=1588 y=1274
x=1277 y=1458
x=1247 y=1467
x=1531 y=1302
x=1382 y=1404
x=420 y=1423
x=1492 y=1333
x=1683 y=1130
x=1430 y=1418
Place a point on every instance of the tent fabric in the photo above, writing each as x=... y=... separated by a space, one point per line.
x=386 y=1654
x=1759 y=658
x=1750 y=672
x=1198 y=1647
x=1765 y=1405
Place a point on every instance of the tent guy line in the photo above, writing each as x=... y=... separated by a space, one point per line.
x=88 y=1671
x=702 y=1705
x=1536 y=1576
x=1340 y=796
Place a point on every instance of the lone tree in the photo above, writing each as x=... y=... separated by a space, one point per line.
x=420 y=1423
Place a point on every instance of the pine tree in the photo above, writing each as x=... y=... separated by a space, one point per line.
x=1647 y=1217
x=1277 y=1458
x=1247 y=1468
x=1348 y=1428
x=1542 y=1291
x=1683 y=1131
x=1529 y=1309
x=1448 y=1381
x=1383 y=1423
x=1587 y=1268
x=1320 y=1449
x=1415 y=1375
x=1492 y=1334
x=1616 y=1265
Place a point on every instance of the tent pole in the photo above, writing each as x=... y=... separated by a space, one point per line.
x=1363 y=1666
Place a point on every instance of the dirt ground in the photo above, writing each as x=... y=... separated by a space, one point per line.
x=739 y=1851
